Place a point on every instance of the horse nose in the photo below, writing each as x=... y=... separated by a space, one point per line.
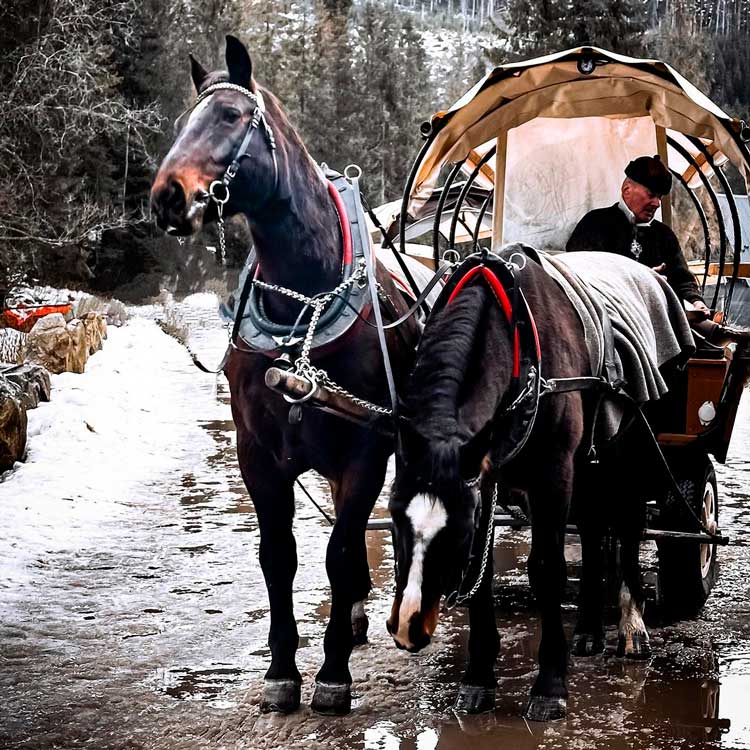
x=418 y=637
x=168 y=203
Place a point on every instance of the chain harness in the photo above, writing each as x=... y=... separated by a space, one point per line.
x=455 y=598
x=303 y=366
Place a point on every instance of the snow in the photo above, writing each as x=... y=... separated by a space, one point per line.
x=118 y=427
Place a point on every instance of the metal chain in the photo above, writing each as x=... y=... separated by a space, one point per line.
x=460 y=598
x=312 y=373
x=303 y=367
x=222 y=239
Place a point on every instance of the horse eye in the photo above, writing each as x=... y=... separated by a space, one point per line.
x=230 y=114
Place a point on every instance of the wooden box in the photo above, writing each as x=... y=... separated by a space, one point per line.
x=705 y=381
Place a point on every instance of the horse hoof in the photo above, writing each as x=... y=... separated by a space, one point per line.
x=634 y=646
x=332 y=698
x=587 y=644
x=474 y=699
x=542 y=708
x=280 y=696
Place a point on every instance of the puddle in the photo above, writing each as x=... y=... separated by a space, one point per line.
x=148 y=628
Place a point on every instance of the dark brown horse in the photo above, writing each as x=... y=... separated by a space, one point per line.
x=298 y=239
x=461 y=402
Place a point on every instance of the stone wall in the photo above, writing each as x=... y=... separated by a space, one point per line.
x=22 y=387
x=53 y=345
x=65 y=347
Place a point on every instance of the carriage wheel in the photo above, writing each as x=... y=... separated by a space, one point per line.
x=688 y=572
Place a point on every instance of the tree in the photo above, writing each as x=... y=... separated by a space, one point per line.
x=540 y=27
x=62 y=121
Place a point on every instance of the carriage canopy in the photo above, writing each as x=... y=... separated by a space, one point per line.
x=564 y=126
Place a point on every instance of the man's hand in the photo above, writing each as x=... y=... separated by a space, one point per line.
x=661 y=268
x=700 y=305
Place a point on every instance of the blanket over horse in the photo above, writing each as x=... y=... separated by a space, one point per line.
x=648 y=321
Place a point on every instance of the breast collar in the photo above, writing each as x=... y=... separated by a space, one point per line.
x=256 y=332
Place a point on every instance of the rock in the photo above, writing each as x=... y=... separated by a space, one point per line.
x=31 y=381
x=96 y=331
x=57 y=346
x=13 y=424
x=78 y=354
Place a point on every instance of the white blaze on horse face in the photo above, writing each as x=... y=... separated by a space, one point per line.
x=428 y=517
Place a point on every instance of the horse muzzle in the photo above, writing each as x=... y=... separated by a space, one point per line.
x=178 y=211
x=412 y=632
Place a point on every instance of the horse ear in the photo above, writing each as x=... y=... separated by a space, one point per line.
x=197 y=72
x=239 y=64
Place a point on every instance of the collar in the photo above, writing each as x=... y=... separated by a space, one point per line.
x=631 y=216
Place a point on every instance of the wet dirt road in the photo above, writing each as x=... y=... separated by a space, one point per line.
x=133 y=612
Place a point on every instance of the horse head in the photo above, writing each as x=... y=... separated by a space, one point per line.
x=452 y=399
x=435 y=515
x=213 y=145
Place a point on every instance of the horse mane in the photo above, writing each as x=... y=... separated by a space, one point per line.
x=461 y=373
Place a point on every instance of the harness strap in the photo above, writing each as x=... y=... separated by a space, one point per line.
x=255 y=302
x=387 y=242
x=372 y=282
x=583 y=383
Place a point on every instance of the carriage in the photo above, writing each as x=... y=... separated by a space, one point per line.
x=537 y=144
x=521 y=157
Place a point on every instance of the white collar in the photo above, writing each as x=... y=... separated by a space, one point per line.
x=631 y=216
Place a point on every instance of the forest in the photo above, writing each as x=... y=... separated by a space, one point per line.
x=89 y=90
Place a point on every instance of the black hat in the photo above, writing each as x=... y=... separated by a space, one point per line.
x=650 y=172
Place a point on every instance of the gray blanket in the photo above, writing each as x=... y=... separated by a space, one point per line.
x=648 y=320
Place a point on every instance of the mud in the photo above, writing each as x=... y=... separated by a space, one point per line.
x=142 y=623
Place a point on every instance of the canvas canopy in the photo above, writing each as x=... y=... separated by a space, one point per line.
x=565 y=125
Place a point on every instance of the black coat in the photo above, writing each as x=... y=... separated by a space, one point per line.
x=609 y=230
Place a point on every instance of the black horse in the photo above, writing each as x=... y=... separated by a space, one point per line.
x=464 y=401
x=298 y=238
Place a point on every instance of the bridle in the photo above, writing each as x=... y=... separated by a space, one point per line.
x=218 y=190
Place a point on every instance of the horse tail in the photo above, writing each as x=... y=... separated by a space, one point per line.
x=436 y=386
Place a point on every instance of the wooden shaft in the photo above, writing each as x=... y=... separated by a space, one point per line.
x=288 y=384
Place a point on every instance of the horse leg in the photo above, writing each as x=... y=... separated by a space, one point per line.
x=349 y=575
x=547 y=576
x=476 y=693
x=274 y=507
x=633 y=641
x=360 y=621
x=588 y=638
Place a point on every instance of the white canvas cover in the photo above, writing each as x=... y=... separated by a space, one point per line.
x=557 y=170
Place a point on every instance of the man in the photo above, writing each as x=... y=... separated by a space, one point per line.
x=629 y=228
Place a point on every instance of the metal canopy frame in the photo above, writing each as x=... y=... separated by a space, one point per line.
x=733 y=136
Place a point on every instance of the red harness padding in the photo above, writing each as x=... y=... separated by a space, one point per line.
x=502 y=298
x=346 y=230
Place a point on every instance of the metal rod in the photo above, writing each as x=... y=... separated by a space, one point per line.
x=502 y=519
x=407 y=191
x=288 y=384
x=464 y=192
x=478 y=229
x=736 y=227
x=704 y=224
x=439 y=214
x=680 y=149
